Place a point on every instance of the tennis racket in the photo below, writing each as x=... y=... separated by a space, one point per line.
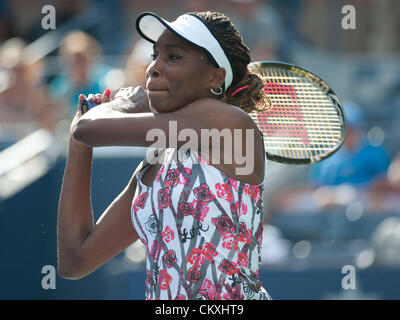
x=305 y=123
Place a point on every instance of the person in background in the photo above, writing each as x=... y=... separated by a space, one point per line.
x=357 y=162
x=137 y=62
x=82 y=70
x=24 y=102
x=353 y=173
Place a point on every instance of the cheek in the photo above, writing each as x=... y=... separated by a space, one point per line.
x=190 y=89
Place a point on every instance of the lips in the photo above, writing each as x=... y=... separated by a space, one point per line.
x=154 y=92
x=155 y=87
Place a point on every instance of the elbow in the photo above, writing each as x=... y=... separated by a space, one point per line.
x=69 y=270
x=83 y=132
x=66 y=274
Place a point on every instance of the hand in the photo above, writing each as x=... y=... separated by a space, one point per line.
x=98 y=98
x=136 y=95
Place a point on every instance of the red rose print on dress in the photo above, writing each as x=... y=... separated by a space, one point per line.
x=234 y=183
x=235 y=294
x=164 y=279
x=163 y=198
x=140 y=201
x=184 y=177
x=239 y=208
x=228 y=267
x=254 y=191
x=224 y=191
x=209 y=251
x=230 y=241
x=193 y=275
x=185 y=208
x=195 y=257
x=172 y=178
x=243 y=259
x=207 y=289
x=170 y=258
x=244 y=233
x=223 y=224
x=168 y=234
x=200 y=210
x=157 y=179
x=203 y=193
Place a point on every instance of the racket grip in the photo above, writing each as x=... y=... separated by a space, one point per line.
x=87 y=105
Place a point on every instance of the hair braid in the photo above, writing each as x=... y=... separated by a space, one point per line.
x=246 y=90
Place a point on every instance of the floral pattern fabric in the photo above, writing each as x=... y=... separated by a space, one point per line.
x=202 y=231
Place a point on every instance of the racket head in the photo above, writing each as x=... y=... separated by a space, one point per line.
x=305 y=122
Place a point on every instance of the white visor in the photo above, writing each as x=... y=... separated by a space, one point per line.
x=191 y=29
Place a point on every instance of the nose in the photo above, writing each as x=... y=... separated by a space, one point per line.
x=153 y=70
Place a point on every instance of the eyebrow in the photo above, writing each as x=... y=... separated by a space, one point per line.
x=170 y=46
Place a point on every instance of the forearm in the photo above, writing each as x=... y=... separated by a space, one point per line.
x=120 y=104
x=75 y=217
x=90 y=130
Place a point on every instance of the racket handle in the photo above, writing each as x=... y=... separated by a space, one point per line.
x=87 y=105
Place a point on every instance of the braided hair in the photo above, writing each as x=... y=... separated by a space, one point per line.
x=246 y=89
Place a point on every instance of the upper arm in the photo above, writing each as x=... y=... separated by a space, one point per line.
x=112 y=233
x=100 y=127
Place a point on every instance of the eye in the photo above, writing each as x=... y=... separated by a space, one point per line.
x=154 y=56
x=174 y=57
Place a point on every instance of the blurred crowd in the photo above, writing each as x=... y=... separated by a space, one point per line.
x=96 y=47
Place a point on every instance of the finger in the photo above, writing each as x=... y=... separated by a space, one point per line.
x=106 y=97
x=80 y=100
x=91 y=97
x=98 y=98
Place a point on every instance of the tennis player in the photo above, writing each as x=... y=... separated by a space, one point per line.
x=200 y=221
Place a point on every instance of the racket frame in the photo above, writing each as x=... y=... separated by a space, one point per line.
x=258 y=65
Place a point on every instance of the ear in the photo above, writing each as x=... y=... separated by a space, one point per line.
x=217 y=78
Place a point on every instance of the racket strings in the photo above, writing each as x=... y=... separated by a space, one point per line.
x=303 y=122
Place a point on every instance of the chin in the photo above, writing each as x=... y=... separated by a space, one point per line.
x=157 y=109
x=162 y=107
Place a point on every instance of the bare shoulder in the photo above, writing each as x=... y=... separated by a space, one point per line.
x=225 y=116
x=220 y=113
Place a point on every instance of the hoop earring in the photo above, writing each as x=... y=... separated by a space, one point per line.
x=219 y=92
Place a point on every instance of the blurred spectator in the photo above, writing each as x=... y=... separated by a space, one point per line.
x=385 y=243
x=386 y=195
x=260 y=25
x=357 y=162
x=137 y=63
x=21 y=18
x=82 y=71
x=24 y=103
x=384 y=23
x=353 y=174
